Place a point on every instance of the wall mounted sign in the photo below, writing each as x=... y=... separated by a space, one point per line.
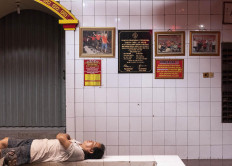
x=169 y=68
x=97 y=42
x=227 y=13
x=170 y=43
x=68 y=20
x=135 y=51
x=92 y=72
x=204 y=43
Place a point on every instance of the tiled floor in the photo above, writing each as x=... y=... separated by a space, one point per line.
x=212 y=162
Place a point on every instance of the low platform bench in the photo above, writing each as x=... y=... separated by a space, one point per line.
x=144 y=160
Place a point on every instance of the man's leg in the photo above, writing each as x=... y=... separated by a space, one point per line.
x=4 y=143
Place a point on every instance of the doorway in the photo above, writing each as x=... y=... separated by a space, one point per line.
x=32 y=70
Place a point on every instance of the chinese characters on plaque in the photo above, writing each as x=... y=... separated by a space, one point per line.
x=135 y=51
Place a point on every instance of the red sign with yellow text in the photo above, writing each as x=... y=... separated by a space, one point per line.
x=58 y=8
x=169 y=68
x=92 y=72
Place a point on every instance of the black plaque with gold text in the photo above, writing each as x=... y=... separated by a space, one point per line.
x=135 y=51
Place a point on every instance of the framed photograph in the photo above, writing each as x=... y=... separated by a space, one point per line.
x=227 y=13
x=170 y=43
x=204 y=43
x=97 y=42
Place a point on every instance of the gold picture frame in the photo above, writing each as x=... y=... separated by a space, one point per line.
x=170 y=43
x=97 y=42
x=204 y=43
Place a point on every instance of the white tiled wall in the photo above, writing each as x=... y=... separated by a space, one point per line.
x=135 y=113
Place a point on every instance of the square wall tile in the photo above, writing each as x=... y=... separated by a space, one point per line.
x=135 y=138
x=89 y=109
x=88 y=21
x=124 y=95
x=181 y=123
x=204 y=7
x=135 y=109
x=135 y=95
x=204 y=123
x=100 y=109
x=170 y=22
x=100 y=123
x=193 y=123
x=89 y=124
x=147 y=109
x=123 y=8
x=147 y=138
x=124 y=138
x=88 y=95
x=170 y=138
x=135 y=22
x=205 y=108
x=193 y=109
x=88 y=7
x=158 y=94
x=158 y=123
x=124 y=109
x=135 y=124
x=193 y=94
x=158 y=138
x=205 y=152
x=124 y=124
x=112 y=124
x=181 y=138
x=158 y=7
x=170 y=123
x=147 y=80
x=170 y=7
x=112 y=94
x=112 y=80
x=181 y=22
x=182 y=109
x=170 y=109
x=112 y=138
x=193 y=152
x=135 y=8
x=216 y=137
x=111 y=8
x=100 y=21
x=146 y=8
x=123 y=80
x=123 y=22
x=146 y=94
x=158 y=22
x=181 y=7
x=112 y=109
x=100 y=94
x=205 y=137
x=193 y=138
x=193 y=7
x=216 y=152
x=100 y=8
x=146 y=22
x=193 y=22
x=147 y=124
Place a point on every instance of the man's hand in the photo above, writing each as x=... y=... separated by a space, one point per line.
x=64 y=139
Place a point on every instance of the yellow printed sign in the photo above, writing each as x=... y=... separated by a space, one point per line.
x=92 y=72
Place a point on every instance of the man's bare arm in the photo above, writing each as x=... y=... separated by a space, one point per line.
x=64 y=139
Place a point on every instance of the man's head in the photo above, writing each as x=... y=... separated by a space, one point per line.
x=93 y=150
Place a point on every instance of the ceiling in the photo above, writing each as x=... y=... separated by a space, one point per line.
x=9 y=6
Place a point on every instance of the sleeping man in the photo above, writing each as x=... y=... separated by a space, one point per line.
x=21 y=151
